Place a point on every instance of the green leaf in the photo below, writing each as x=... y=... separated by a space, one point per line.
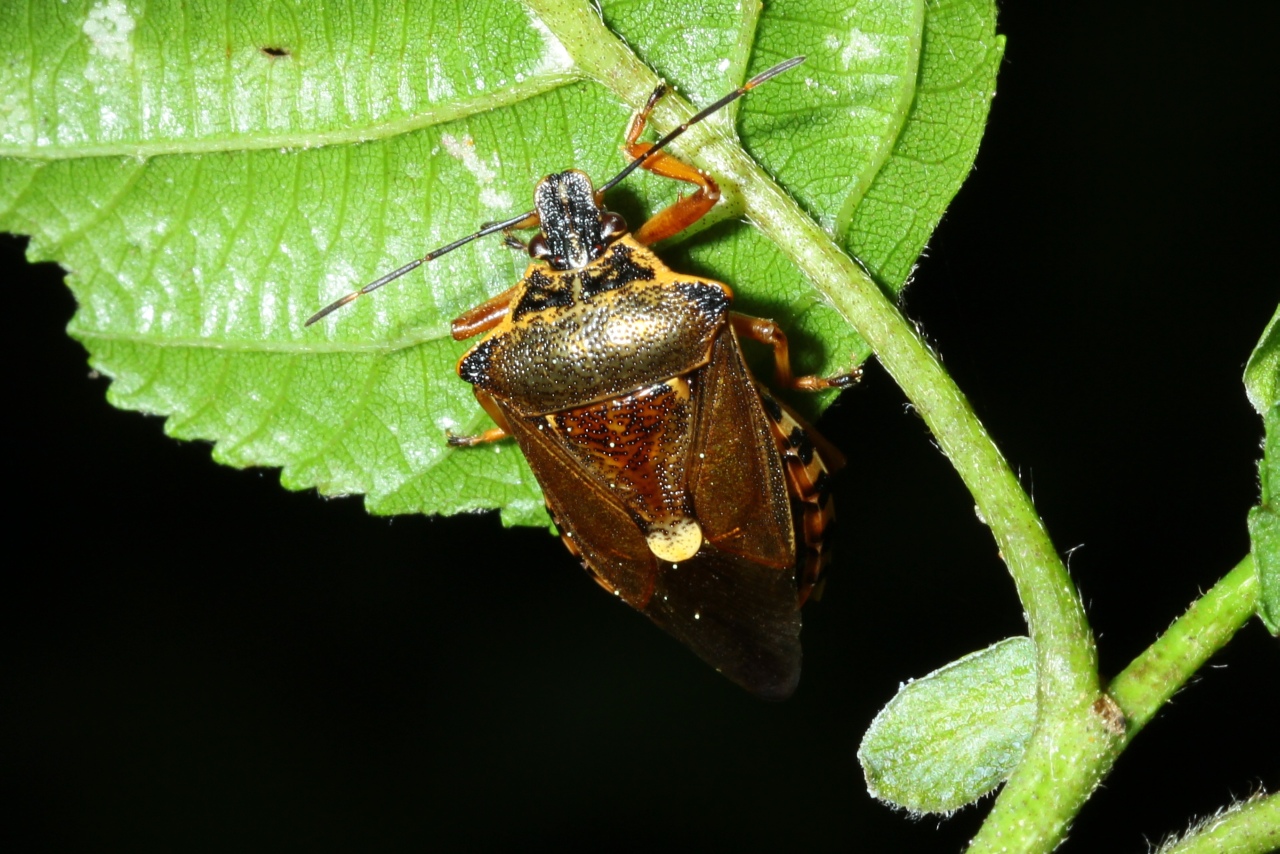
x=890 y=225
x=1264 y=525
x=1262 y=372
x=1262 y=384
x=209 y=176
x=948 y=739
x=86 y=78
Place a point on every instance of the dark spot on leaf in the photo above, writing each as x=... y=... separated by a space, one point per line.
x=275 y=52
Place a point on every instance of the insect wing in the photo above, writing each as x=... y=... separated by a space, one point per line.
x=734 y=603
x=738 y=616
x=592 y=523
x=738 y=483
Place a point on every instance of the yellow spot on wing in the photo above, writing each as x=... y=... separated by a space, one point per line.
x=676 y=540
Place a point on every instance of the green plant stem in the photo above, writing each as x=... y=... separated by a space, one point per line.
x=1212 y=620
x=1076 y=742
x=1251 y=827
x=1057 y=775
x=1138 y=693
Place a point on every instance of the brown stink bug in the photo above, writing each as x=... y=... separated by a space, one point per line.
x=675 y=477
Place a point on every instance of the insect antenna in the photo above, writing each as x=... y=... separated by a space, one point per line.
x=610 y=184
x=413 y=265
x=699 y=116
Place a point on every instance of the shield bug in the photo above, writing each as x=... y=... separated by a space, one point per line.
x=683 y=486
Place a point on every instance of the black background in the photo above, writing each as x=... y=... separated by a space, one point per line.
x=200 y=660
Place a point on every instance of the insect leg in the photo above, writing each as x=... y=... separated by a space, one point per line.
x=483 y=317
x=686 y=211
x=493 y=434
x=489 y=313
x=509 y=239
x=809 y=460
x=767 y=332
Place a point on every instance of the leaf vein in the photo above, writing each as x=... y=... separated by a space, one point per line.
x=107 y=208
x=353 y=412
x=179 y=419
x=286 y=378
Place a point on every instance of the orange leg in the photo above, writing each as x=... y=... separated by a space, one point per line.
x=686 y=211
x=493 y=434
x=483 y=317
x=767 y=332
x=489 y=313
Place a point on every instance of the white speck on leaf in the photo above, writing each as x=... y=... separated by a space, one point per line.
x=464 y=150
x=15 y=119
x=108 y=27
x=861 y=48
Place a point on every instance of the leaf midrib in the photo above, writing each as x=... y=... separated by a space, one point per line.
x=453 y=111
x=292 y=348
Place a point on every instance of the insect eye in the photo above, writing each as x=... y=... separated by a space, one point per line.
x=611 y=225
x=538 y=247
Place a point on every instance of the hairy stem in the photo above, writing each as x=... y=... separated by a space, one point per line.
x=1212 y=620
x=1058 y=773
x=1251 y=827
